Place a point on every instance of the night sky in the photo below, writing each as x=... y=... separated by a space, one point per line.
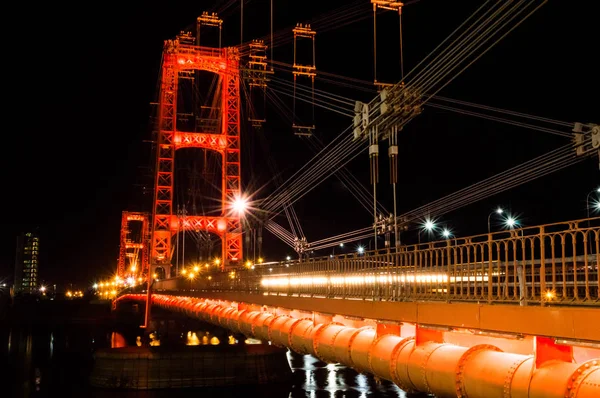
x=80 y=82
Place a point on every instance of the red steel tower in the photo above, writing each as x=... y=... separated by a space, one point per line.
x=183 y=58
x=137 y=251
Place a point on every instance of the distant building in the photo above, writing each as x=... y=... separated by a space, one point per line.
x=26 y=263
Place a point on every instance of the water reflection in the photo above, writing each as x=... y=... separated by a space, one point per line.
x=50 y=362
x=314 y=378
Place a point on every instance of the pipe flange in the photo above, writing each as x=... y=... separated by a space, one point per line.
x=579 y=375
x=333 y=337
x=251 y=316
x=263 y=322
x=241 y=312
x=394 y=362
x=424 y=366
x=291 y=334
x=269 y=334
x=269 y=323
x=351 y=340
x=460 y=382
x=511 y=373
x=318 y=333
x=369 y=355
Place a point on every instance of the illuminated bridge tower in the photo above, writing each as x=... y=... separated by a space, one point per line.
x=182 y=58
x=134 y=253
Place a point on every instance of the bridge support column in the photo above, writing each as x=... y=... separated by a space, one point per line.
x=546 y=350
x=389 y=328
x=426 y=334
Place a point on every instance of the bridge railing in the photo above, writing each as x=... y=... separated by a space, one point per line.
x=549 y=264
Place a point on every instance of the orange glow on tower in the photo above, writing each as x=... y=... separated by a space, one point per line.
x=135 y=249
x=178 y=57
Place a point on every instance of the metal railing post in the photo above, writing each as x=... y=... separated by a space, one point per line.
x=542 y=268
x=490 y=269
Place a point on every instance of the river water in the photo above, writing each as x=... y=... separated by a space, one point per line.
x=55 y=361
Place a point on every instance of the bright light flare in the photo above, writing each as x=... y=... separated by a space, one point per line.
x=360 y=249
x=428 y=225
x=240 y=205
x=446 y=233
x=511 y=222
x=499 y=210
x=42 y=289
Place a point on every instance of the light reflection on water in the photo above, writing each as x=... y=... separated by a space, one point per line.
x=313 y=378
x=49 y=363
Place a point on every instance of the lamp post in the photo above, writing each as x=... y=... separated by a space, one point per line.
x=511 y=222
x=497 y=211
x=587 y=202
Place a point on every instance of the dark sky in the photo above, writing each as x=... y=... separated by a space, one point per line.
x=81 y=80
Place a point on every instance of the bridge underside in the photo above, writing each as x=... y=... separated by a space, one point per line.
x=419 y=346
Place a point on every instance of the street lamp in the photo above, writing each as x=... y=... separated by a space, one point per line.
x=360 y=249
x=497 y=211
x=511 y=222
x=428 y=226
x=446 y=233
x=587 y=202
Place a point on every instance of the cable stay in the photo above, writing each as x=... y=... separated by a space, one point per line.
x=583 y=146
x=334 y=19
x=501 y=119
x=282 y=86
x=296 y=234
x=322 y=96
x=363 y=196
x=403 y=107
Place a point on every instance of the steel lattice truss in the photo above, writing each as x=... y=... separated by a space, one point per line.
x=224 y=62
x=140 y=254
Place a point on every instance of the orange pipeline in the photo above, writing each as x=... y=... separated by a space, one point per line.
x=445 y=370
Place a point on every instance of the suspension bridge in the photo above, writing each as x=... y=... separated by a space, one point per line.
x=508 y=313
